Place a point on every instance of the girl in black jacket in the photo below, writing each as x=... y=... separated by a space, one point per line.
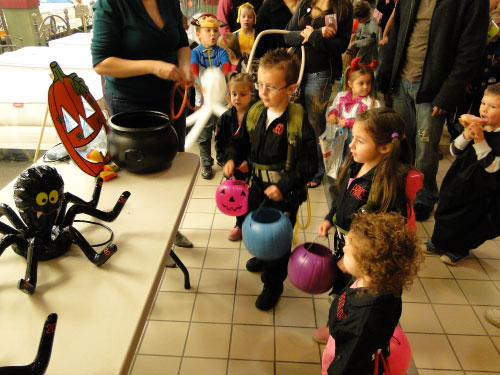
x=228 y=125
x=372 y=180
x=383 y=255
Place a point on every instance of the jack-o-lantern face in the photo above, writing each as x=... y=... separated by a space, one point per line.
x=232 y=197
x=78 y=120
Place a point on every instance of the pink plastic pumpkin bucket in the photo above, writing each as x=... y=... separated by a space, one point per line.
x=231 y=197
x=312 y=268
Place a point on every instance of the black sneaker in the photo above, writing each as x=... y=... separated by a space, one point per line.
x=206 y=173
x=255 y=265
x=268 y=298
x=422 y=212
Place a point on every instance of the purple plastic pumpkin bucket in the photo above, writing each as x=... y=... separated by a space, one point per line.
x=231 y=197
x=312 y=268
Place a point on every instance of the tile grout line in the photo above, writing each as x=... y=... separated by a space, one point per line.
x=232 y=315
x=195 y=294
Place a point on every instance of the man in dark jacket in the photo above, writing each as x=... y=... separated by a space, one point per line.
x=434 y=48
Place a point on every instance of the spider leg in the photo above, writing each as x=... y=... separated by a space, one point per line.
x=5 y=229
x=10 y=239
x=28 y=284
x=97 y=258
x=12 y=217
x=95 y=195
x=94 y=212
x=41 y=362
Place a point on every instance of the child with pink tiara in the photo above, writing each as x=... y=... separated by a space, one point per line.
x=357 y=97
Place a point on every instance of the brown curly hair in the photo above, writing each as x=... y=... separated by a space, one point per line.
x=386 y=251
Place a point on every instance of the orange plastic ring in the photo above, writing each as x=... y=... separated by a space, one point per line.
x=176 y=89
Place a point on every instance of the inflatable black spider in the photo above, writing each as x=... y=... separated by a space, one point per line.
x=47 y=231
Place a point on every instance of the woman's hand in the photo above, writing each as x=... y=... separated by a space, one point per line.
x=328 y=31
x=168 y=71
x=324 y=227
x=383 y=41
x=306 y=33
x=188 y=74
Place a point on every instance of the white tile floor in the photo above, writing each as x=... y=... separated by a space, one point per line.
x=214 y=328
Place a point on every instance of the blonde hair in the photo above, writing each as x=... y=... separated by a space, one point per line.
x=493 y=90
x=388 y=252
x=230 y=43
x=235 y=77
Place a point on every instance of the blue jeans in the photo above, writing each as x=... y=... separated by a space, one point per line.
x=423 y=133
x=316 y=91
x=118 y=105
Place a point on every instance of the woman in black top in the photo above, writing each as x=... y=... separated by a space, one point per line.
x=323 y=48
x=273 y=14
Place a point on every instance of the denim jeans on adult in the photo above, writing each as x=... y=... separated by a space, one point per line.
x=316 y=91
x=118 y=105
x=423 y=133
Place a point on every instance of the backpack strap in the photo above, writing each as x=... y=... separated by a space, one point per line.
x=253 y=116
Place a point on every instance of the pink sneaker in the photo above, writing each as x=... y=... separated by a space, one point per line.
x=234 y=234
x=321 y=335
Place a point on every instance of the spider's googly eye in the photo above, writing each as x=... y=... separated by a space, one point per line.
x=42 y=199
x=53 y=196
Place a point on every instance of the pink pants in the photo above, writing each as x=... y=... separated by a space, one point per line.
x=328 y=355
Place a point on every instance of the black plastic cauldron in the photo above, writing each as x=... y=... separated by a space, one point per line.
x=142 y=141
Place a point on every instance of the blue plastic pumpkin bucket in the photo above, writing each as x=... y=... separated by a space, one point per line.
x=267 y=233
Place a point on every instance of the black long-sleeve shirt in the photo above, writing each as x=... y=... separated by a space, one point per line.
x=353 y=196
x=361 y=323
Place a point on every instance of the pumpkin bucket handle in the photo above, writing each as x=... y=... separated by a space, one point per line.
x=260 y=206
x=312 y=243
